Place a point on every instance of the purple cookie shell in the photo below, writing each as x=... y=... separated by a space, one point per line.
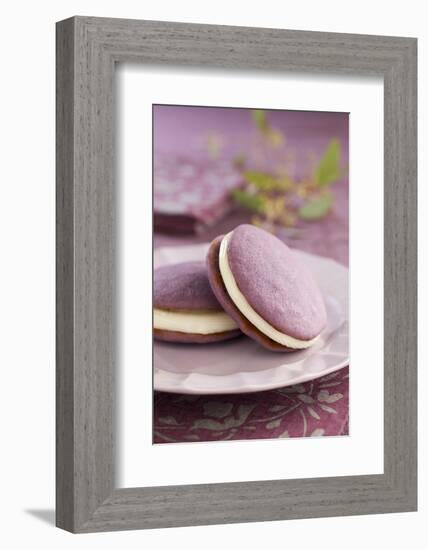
x=183 y=286
x=219 y=290
x=276 y=284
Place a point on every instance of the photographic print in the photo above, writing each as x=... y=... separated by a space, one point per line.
x=202 y=255
x=250 y=300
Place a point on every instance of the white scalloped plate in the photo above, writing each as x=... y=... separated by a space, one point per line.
x=241 y=365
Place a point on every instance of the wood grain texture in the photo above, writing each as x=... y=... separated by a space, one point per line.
x=64 y=277
x=87 y=50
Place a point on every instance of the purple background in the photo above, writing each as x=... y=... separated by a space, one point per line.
x=180 y=130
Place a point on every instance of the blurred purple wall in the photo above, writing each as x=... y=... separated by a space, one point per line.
x=181 y=130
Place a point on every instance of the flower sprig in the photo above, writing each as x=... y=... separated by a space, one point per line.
x=277 y=199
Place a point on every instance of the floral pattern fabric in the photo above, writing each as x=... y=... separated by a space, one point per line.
x=316 y=408
x=199 y=189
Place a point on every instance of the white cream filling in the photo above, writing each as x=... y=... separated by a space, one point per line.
x=245 y=308
x=193 y=322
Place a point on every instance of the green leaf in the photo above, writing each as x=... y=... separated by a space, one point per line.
x=267 y=182
x=248 y=200
x=317 y=208
x=328 y=170
x=260 y=118
x=261 y=180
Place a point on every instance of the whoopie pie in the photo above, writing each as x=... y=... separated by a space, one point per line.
x=267 y=290
x=186 y=309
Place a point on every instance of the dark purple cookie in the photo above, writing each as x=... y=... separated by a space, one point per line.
x=184 y=288
x=192 y=338
x=273 y=281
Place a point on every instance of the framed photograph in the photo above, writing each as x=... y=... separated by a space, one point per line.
x=236 y=274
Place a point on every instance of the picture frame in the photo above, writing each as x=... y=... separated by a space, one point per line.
x=87 y=50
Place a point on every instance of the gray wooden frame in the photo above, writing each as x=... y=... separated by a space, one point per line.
x=87 y=50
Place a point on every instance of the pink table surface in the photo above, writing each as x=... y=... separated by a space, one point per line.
x=316 y=408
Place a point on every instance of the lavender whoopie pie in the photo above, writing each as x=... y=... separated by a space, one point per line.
x=264 y=287
x=185 y=308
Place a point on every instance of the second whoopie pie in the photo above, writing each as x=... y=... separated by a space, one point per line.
x=185 y=308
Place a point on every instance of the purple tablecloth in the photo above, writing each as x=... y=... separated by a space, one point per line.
x=316 y=408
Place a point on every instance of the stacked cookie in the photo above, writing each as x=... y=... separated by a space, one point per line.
x=251 y=283
x=185 y=308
